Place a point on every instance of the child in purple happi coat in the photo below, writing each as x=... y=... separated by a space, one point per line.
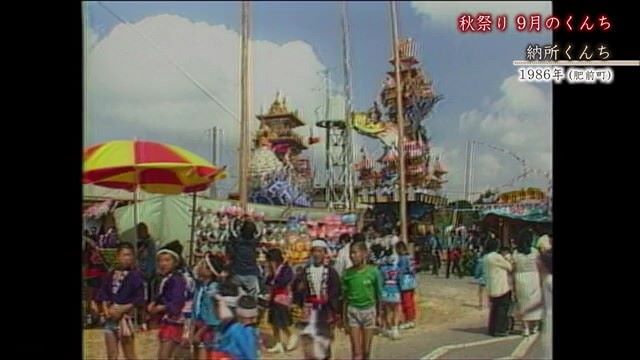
x=122 y=289
x=170 y=301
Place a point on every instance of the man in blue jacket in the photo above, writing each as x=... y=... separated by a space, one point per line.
x=243 y=251
x=436 y=247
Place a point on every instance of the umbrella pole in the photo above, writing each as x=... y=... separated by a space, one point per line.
x=135 y=242
x=135 y=205
x=193 y=229
x=135 y=209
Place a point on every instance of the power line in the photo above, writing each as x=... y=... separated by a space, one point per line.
x=526 y=170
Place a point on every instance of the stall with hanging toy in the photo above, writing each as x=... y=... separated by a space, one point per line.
x=291 y=234
x=216 y=227
x=295 y=235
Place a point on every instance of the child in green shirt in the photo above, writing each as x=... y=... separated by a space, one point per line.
x=362 y=289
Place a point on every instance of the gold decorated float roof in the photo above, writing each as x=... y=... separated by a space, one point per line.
x=278 y=112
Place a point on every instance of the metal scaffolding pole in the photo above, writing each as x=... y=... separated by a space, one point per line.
x=329 y=184
x=349 y=198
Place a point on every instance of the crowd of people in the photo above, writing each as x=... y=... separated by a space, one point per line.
x=514 y=276
x=363 y=286
x=516 y=280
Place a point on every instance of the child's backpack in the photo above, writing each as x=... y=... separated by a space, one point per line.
x=407 y=274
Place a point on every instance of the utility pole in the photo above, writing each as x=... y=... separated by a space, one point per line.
x=467 y=169
x=472 y=172
x=215 y=151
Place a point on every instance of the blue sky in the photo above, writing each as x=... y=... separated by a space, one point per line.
x=470 y=70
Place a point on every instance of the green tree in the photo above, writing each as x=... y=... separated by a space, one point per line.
x=460 y=204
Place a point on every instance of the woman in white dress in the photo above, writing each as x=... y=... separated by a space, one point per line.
x=545 y=267
x=546 y=262
x=527 y=283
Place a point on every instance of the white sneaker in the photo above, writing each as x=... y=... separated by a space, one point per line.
x=276 y=349
x=405 y=326
x=525 y=332
x=293 y=342
x=412 y=324
x=395 y=334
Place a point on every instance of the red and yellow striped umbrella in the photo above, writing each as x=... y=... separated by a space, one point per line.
x=154 y=167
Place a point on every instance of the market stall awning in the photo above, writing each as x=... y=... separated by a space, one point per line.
x=169 y=218
x=537 y=213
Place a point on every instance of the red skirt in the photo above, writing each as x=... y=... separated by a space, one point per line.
x=171 y=332
x=217 y=355
x=408 y=305
x=208 y=335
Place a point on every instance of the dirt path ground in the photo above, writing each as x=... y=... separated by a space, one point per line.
x=448 y=314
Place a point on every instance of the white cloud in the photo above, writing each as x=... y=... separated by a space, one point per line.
x=444 y=14
x=518 y=121
x=488 y=165
x=92 y=38
x=134 y=91
x=514 y=138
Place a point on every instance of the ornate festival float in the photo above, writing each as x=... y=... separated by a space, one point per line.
x=279 y=173
x=425 y=172
x=280 y=176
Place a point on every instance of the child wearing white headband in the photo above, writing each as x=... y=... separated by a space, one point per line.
x=238 y=338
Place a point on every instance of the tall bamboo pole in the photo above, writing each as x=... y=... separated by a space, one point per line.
x=244 y=108
x=400 y=120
